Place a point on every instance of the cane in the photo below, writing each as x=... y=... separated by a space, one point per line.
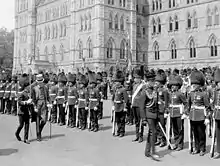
x=190 y=137
x=213 y=139
x=113 y=124
x=168 y=141
x=67 y=110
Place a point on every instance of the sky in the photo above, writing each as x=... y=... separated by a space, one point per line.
x=7 y=14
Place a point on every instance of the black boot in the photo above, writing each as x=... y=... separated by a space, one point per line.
x=17 y=136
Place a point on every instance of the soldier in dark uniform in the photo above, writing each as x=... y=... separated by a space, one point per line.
x=23 y=113
x=82 y=102
x=119 y=99
x=94 y=100
x=105 y=85
x=138 y=87
x=13 y=97
x=2 y=91
x=7 y=96
x=216 y=106
x=101 y=88
x=198 y=111
x=40 y=96
x=61 y=98
x=160 y=81
x=72 y=99
x=177 y=101
x=53 y=90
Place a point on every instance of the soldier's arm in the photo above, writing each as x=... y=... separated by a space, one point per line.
x=125 y=95
x=206 y=104
x=189 y=104
x=166 y=99
x=20 y=99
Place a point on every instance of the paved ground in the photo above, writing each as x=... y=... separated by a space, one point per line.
x=70 y=147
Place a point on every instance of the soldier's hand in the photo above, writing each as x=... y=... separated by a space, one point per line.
x=55 y=102
x=64 y=105
x=125 y=109
x=95 y=108
x=166 y=115
x=86 y=108
x=36 y=110
x=113 y=108
x=206 y=121
x=183 y=116
x=29 y=101
x=76 y=106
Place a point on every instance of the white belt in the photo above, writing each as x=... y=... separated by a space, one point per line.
x=2 y=91
x=60 y=97
x=13 y=91
x=53 y=94
x=82 y=99
x=217 y=107
x=71 y=97
x=178 y=106
x=93 y=100
x=200 y=108
x=7 y=91
x=118 y=102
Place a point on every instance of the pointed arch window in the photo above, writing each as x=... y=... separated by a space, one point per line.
x=160 y=2
x=154 y=26
x=173 y=51
x=176 y=22
x=170 y=24
x=116 y=22
x=122 y=23
x=189 y=21
x=213 y=47
x=61 y=30
x=153 y=5
x=56 y=31
x=90 y=49
x=45 y=33
x=138 y=28
x=195 y=20
x=138 y=51
x=209 y=17
x=86 y=21
x=64 y=29
x=80 y=45
x=156 y=51
x=216 y=17
x=90 y=22
x=53 y=32
x=159 y=25
x=157 y=5
x=48 y=31
x=110 y=21
x=109 y=49
x=122 y=50
x=192 y=49
x=81 y=23
x=170 y=4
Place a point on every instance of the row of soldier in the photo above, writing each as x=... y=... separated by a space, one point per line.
x=157 y=100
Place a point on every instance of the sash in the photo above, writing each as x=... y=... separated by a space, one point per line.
x=136 y=91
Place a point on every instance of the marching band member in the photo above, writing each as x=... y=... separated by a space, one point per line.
x=119 y=99
x=138 y=87
x=176 y=111
x=94 y=100
x=198 y=111
x=72 y=100
x=23 y=110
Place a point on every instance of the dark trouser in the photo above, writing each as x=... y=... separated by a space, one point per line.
x=151 y=137
x=23 y=122
x=94 y=119
x=8 y=106
x=14 y=106
x=120 y=121
x=217 y=136
x=2 y=105
x=40 y=123
x=82 y=117
x=130 y=116
x=178 y=131
x=72 y=116
x=100 y=110
x=160 y=136
x=137 y=119
x=61 y=114
x=54 y=113
x=199 y=134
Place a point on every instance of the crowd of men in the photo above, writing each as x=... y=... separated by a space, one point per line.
x=161 y=100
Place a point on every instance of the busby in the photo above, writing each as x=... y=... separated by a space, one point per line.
x=82 y=79
x=92 y=77
x=104 y=74
x=138 y=72
x=99 y=76
x=54 y=78
x=111 y=69
x=149 y=74
x=176 y=72
x=14 y=78
x=161 y=77
x=217 y=75
x=118 y=76
x=71 y=78
x=24 y=81
x=197 y=77
x=175 y=80
x=62 y=78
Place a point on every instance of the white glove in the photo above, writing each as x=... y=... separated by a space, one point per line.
x=55 y=102
x=76 y=106
x=207 y=122
x=183 y=116
x=64 y=105
x=95 y=108
x=101 y=100
x=29 y=101
x=166 y=115
x=36 y=110
x=86 y=108
x=113 y=108
x=125 y=109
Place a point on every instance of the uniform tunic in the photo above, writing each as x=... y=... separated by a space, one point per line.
x=72 y=100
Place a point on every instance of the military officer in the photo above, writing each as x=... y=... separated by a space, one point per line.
x=138 y=87
x=216 y=104
x=13 y=96
x=119 y=99
x=198 y=109
x=72 y=99
x=94 y=100
x=23 y=110
x=40 y=97
x=177 y=101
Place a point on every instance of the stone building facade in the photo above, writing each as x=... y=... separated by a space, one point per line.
x=68 y=34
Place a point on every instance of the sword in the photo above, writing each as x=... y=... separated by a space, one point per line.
x=168 y=141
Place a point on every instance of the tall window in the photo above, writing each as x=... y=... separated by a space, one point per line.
x=86 y=21
x=216 y=19
x=176 y=22
x=116 y=22
x=90 y=22
x=45 y=53
x=154 y=26
x=37 y=53
x=81 y=23
x=156 y=51
x=80 y=45
x=61 y=52
x=173 y=50
x=64 y=29
x=192 y=49
x=139 y=28
x=153 y=5
x=170 y=24
x=189 y=21
x=90 y=48
x=138 y=51
x=213 y=47
x=170 y=4
x=209 y=17
x=110 y=21
x=109 y=49
x=159 y=25
x=122 y=23
x=195 y=20
x=122 y=49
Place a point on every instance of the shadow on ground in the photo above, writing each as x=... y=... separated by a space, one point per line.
x=48 y=137
x=106 y=117
x=7 y=152
x=105 y=128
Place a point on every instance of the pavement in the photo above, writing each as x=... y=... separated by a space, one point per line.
x=72 y=147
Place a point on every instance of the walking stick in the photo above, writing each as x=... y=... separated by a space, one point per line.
x=190 y=137
x=67 y=110
x=168 y=141
x=113 y=124
x=88 y=119
x=212 y=151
